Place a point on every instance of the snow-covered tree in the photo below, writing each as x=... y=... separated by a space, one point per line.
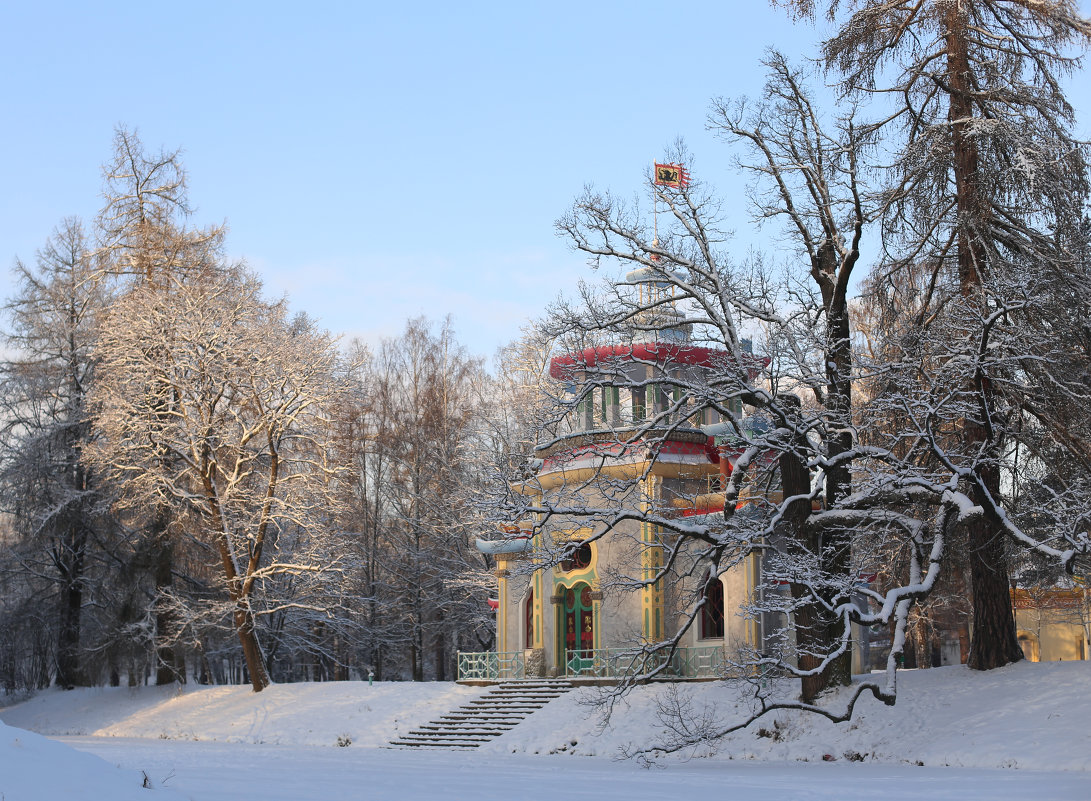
x=627 y=388
x=58 y=507
x=985 y=170
x=431 y=381
x=363 y=442
x=407 y=432
x=806 y=174
x=142 y=229
x=212 y=402
x=145 y=239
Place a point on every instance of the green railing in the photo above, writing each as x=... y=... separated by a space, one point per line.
x=491 y=665
x=701 y=662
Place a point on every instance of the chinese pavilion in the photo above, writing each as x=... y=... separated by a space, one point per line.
x=628 y=441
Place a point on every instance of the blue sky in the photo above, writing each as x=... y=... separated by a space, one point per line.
x=380 y=162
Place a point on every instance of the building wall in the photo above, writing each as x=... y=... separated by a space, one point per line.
x=1053 y=634
x=622 y=617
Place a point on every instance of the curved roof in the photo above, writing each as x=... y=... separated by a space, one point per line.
x=562 y=367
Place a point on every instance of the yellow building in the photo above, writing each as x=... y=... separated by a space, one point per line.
x=1053 y=624
x=573 y=616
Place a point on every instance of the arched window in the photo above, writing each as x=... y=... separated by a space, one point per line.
x=712 y=612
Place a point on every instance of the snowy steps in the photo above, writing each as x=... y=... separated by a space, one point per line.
x=485 y=718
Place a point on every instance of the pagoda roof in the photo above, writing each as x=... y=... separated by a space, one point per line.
x=562 y=367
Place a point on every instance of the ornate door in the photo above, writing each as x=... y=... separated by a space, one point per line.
x=579 y=629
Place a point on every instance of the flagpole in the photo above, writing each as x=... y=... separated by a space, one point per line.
x=672 y=174
x=655 y=211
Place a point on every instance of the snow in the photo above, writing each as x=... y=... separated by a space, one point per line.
x=1027 y=715
x=288 y=714
x=1017 y=732
x=34 y=767
x=208 y=772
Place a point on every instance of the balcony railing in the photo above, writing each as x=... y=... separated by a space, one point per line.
x=491 y=665
x=701 y=662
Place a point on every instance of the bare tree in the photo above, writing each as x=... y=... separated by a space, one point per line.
x=809 y=179
x=985 y=165
x=367 y=442
x=430 y=382
x=144 y=237
x=211 y=401
x=803 y=525
x=58 y=506
x=408 y=429
x=142 y=226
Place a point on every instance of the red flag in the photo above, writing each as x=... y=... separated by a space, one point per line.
x=671 y=175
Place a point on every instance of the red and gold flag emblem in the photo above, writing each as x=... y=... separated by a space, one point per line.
x=671 y=175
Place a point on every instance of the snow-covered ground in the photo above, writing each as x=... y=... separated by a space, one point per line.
x=35 y=768
x=213 y=772
x=1022 y=731
x=286 y=714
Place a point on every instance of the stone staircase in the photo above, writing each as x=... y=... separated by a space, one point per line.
x=486 y=717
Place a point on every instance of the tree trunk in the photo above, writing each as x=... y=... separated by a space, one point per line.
x=243 y=616
x=377 y=662
x=835 y=548
x=440 y=650
x=68 y=638
x=817 y=632
x=251 y=651
x=71 y=561
x=415 y=661
x=166 y=656
x=994 y=642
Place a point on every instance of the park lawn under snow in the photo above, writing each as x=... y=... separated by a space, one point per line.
x=1033 y=716
x=284 y=714
x=229 y=743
